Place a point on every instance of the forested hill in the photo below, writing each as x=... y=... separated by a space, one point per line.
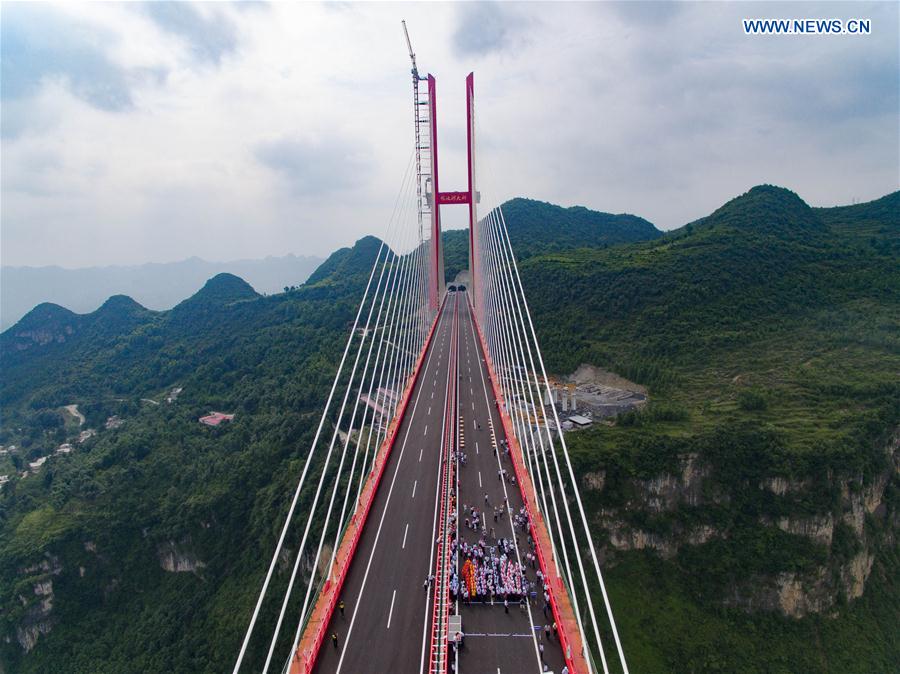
x=762 y=262
x=347 y=263
x=97 y=529
x=747 y=517
x=538 y=227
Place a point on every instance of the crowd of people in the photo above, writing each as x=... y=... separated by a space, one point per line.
x=488 y=572
x=492 y=568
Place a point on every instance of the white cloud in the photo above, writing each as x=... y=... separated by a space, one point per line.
x=287 y=128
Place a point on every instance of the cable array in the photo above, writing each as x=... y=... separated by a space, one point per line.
x=515 y=357
x=374 y=374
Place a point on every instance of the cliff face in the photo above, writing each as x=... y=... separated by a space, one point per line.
x=37 y=619
x=34 y=616
x=847 y=532
x=36 y=602
x=176 y=559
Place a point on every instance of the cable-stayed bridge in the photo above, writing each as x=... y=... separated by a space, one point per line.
x=436 y=525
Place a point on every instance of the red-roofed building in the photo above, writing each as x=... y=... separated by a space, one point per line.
x=215 y=418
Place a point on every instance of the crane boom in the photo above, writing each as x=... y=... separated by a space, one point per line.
x=412 y=56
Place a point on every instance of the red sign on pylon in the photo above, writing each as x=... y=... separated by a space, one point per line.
x=453 y=198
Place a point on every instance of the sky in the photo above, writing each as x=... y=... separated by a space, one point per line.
x=141 y=132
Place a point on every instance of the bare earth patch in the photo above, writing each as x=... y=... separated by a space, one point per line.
x=73 y=410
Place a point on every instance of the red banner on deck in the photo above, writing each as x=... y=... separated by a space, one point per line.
x=453 y=197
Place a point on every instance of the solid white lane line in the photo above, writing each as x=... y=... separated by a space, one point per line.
x=405 y=531
x=391 y=613
x=415 y=484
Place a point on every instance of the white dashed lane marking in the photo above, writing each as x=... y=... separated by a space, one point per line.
x=391 y=612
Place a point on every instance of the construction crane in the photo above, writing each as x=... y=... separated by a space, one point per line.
x=412 y=55
x=421 y=120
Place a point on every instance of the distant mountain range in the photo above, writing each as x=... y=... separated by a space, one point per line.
x=155 y=286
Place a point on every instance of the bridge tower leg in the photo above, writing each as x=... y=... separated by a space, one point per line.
x=437 y=252
x=435 y=198
x=473 y=194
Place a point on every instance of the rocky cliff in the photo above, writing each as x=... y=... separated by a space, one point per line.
x=846 y=529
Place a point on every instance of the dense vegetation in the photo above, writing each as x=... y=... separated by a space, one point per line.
x=767 y=334
x=161 y=478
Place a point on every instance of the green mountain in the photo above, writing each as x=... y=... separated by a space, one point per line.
x=85 y=544
x=749 y=513
x=747 y=516
x=538 y=227
x=221 y=289
x=347 y=263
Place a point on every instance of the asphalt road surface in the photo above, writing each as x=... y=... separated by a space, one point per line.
x=387 y=615
x=496 y=641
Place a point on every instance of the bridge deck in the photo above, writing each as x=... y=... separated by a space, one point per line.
x=385 y=626
x=560 y=604
x=386 y=621
x=496 y=641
